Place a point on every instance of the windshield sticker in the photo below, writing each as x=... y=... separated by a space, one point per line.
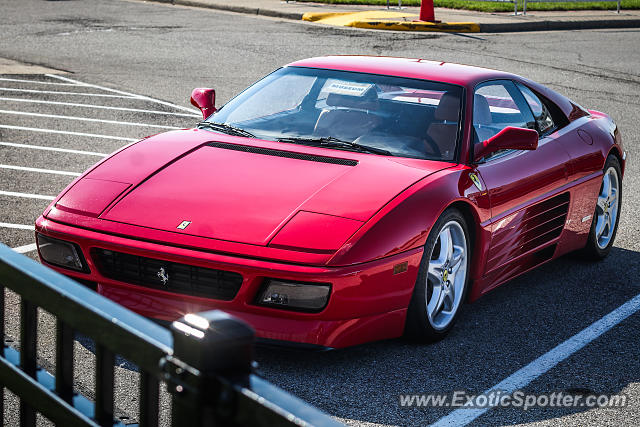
x=415 y=100
x=342 y=87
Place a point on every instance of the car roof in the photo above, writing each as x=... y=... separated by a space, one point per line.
x=446 y=72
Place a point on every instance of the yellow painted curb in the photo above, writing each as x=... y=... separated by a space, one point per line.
x=448 y=27
x=318 y=16
x=387 y=20
x=344 y=19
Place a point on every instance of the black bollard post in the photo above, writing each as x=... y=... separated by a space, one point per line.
x=212 y=350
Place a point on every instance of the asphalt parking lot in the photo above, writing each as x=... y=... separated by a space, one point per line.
x=52 y=127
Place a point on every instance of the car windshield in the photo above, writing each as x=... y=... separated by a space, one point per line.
x=347 y=110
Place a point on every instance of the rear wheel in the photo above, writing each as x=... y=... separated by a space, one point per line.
x=442 y=280
x=605 y=218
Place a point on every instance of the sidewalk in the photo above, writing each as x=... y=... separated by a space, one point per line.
x=452 y=20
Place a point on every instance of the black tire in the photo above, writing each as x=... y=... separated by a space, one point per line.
x=592 y=250
x=418 y=326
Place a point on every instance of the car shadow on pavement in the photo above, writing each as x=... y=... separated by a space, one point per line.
x=494 y=337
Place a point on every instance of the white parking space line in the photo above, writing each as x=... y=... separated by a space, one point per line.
x=25 y=195
x=102 y=107
x=66 y=132
x=5 y=79
x=26 y=248
x=20 y=94
x=85 y=119
x=49 y=171
x=17 y=226
x=544 y=363
x=147 y=98
x=57 y=92
x=45 y=148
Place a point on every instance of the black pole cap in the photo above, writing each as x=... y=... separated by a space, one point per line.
x=213 y=342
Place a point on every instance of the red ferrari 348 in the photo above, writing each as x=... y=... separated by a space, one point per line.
x=344 y=199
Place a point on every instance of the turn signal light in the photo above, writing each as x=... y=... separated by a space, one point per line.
x=61 y=253
x=310 y=297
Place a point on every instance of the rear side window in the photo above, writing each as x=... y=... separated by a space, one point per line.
x=544 y=121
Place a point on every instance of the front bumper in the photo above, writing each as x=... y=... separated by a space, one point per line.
x=367 y=302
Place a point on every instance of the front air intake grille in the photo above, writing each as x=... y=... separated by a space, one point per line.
x=166 y=275
x=282 y=153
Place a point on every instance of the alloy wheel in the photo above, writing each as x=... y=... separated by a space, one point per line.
x=607 y=208
x=446 y=276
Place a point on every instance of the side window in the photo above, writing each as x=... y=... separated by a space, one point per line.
x=496 y=105
x=541 y=113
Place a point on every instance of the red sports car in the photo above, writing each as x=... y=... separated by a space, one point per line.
x=344 y=199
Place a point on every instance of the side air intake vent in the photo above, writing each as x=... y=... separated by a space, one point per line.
x=528 y=229
x=282 y=153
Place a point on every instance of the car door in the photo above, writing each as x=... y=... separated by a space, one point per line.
x=583 y=169
x=527 y=215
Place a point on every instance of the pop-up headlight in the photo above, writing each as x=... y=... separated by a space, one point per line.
x=315 y=232
x=60 y=253
x=309 y=297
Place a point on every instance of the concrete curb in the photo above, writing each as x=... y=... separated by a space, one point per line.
x=514 y=27
x=11 y=66
x=458 y=27
x=445 y=27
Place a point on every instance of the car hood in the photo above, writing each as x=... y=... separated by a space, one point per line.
x=245 y=190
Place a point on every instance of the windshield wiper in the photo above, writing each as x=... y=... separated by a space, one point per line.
x=225 y=128
x=331 y=142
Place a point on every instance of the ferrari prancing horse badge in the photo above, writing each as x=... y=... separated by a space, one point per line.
x=183 y=225
x=475 y=179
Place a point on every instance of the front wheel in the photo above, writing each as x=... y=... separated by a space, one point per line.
x=442 y=280
x=604 y=224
